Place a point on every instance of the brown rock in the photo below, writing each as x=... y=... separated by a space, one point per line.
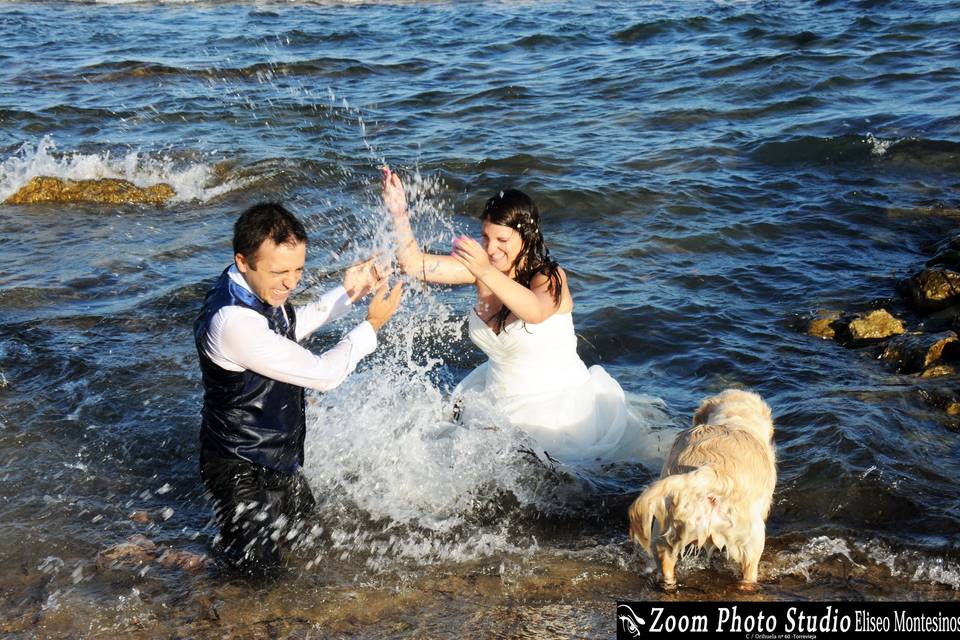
x=824 y=325
x=915 y=352
x=873 y=326
x=43 y=189
x=208 y=608
x=933 y=289
x=942 y=398
x=186 y=560
x=141 y=517
x=938 y=370
x=137 y=549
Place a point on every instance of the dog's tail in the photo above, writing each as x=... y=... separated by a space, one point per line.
x=686 y=507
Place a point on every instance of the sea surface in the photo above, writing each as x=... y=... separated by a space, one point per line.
x=709 y=174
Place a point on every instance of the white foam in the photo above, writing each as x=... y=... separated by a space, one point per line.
x=192 y=181
x=916 y=566
x=878 y=146
x=813 y=552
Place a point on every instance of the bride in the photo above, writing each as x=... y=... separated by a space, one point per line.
x=523 y=322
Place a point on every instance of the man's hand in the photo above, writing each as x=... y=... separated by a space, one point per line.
x=361 y=279
x=383 y=306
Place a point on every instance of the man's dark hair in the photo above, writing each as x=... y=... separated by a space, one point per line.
x=267 y=220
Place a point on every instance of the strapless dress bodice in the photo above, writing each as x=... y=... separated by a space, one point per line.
x=534 y=378
x=527 y=358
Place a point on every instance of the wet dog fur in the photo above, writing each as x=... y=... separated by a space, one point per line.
x=715 y=488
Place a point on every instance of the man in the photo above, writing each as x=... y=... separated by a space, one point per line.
x=254 y=375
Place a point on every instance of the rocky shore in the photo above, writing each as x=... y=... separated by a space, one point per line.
x=914 y=333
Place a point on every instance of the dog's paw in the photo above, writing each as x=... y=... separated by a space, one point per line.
x=748 y=587
x=669 y=586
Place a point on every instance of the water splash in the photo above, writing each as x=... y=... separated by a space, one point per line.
x=400 y=478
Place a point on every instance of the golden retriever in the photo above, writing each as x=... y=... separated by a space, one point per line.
x=715 y=489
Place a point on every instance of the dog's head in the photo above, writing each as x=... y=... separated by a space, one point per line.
x=736 y=408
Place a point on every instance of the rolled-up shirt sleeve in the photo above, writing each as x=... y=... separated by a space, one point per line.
x=240 y=338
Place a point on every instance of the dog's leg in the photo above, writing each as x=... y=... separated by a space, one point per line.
x=750 y=560
x=668 y=563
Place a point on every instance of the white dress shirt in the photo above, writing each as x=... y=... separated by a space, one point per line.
x=240 y=339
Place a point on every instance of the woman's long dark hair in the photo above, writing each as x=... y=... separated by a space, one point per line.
x=515 y=209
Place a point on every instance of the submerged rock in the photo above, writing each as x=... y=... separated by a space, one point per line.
x=137 y=549
x=207 y=607
x=43 y=189
x=140 y=516
x=944 y=399
x=914 y=352
x=186 y=560
x=933 y=289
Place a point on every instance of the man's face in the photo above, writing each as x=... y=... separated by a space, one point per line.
x=279 y=268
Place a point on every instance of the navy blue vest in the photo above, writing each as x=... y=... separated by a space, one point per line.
x=246 y=415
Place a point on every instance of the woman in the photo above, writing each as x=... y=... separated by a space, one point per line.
x=523 y=322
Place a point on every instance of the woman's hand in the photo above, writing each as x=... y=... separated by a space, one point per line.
x=472 y=255
x=393 y=196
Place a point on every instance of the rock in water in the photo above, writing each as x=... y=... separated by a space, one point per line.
x=43 y=189
x=917 y=351
x=137 y=549
x=938 y=371
x=824 y=325
x=933 y=289
x=140 y=516
x=183 y=560
x=873 y=326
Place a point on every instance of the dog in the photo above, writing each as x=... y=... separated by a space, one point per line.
x=715 y=488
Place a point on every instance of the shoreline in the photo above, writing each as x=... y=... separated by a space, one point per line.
x=499 y=597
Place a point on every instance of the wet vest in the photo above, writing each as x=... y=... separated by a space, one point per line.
x=246 y=415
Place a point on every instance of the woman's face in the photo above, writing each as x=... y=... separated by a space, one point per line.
x=503 y=245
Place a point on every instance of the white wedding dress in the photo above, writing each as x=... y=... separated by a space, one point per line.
x=573 y=414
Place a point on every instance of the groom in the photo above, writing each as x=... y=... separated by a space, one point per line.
x=254 y=374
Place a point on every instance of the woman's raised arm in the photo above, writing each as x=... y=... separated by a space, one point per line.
x=414 y=262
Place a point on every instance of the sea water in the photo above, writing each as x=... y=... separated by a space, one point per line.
x=708 y=173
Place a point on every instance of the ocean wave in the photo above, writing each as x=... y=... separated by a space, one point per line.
x=261 y=71
x=931 y=154
x=192 y=181
x=648 y=30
